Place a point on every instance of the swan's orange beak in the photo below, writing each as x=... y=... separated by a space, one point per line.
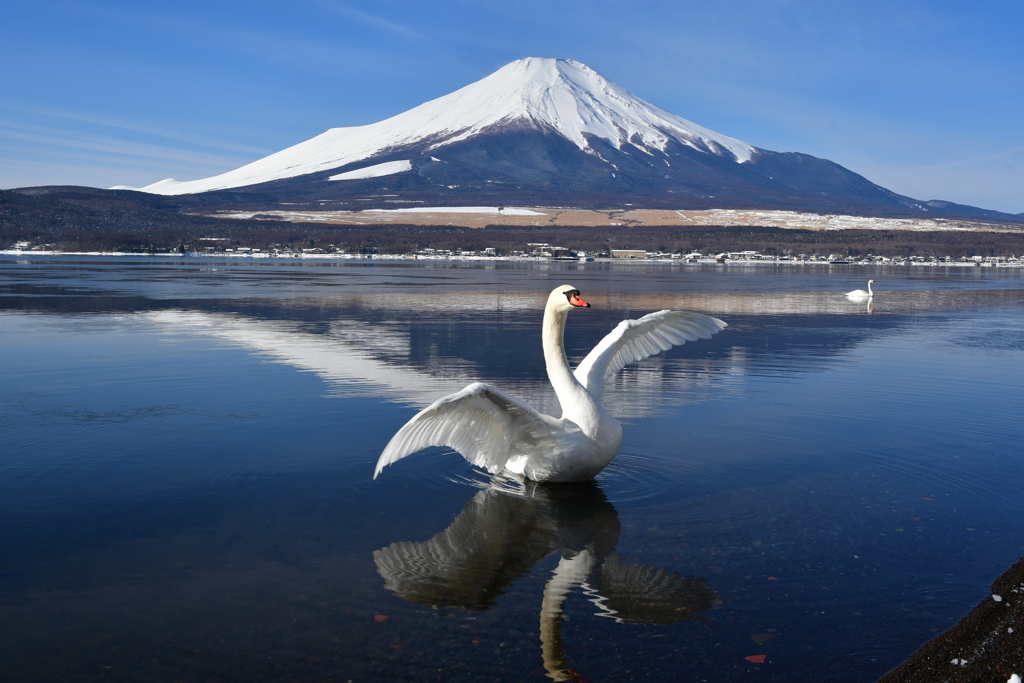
x=575 y=300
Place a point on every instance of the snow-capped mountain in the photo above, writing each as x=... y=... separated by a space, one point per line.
x=544 y=130
x=563 y=96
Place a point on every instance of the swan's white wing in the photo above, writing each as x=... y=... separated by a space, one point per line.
x=634 y=340
x=484 y=424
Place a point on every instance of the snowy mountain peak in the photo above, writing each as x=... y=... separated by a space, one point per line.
x=563 y=96
x=575 y=100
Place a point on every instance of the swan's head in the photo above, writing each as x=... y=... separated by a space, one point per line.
x=871 y=282
x=565 y=298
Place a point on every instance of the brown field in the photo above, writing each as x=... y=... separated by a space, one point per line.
x=558 y=217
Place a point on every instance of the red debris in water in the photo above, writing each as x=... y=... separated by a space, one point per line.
x=772 y=578
x=475 y=642
x=380 y=617
x=926 y=498
x=756 y=659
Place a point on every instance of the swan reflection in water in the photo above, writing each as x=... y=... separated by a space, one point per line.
x=506 y=529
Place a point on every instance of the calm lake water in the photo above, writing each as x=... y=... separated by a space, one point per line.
x=187 y=449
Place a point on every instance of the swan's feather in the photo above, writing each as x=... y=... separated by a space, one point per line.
x=484 y=424
x=634 y=340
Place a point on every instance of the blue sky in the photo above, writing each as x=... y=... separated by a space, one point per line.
x=923 y=97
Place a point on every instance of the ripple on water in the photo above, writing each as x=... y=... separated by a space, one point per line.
x=628 y=480
x=631 y=479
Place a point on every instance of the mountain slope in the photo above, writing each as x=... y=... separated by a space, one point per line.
x=548 y=131
x=546 y=95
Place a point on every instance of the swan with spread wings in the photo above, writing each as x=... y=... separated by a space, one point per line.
x=499 y=432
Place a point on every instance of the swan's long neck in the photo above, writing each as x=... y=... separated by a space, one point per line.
x=870 y=293
x=571 y=394
x=553 y=337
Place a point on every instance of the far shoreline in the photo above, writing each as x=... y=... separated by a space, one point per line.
x=667 y=260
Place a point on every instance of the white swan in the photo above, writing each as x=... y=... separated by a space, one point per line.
x=860 y=294
x=496 y=431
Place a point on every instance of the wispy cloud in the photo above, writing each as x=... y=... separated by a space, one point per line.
x=37 y=138
x=366 y=18
x=84 y=170
x=119 y=124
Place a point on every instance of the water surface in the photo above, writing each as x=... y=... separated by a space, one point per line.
x=186 y=452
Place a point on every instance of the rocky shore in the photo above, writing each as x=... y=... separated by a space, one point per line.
x=986 y=646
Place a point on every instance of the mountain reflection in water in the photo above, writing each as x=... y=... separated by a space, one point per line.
x=507 y=529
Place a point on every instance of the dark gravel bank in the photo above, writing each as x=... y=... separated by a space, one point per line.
x=986 y=646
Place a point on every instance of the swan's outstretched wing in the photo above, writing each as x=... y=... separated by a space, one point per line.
x=634 y=340
x=484 y=424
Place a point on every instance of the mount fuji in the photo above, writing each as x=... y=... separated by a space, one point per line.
x=543 y=131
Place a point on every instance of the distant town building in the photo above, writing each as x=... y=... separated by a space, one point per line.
x=545 y=249
x=629 y=253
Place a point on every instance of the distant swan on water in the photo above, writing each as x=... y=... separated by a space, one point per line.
x=499 y=432
x=860 y=294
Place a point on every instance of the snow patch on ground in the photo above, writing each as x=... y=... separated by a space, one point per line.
x=490 y=210
x=479 y=216
x=375 y=171
x=165 y=186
